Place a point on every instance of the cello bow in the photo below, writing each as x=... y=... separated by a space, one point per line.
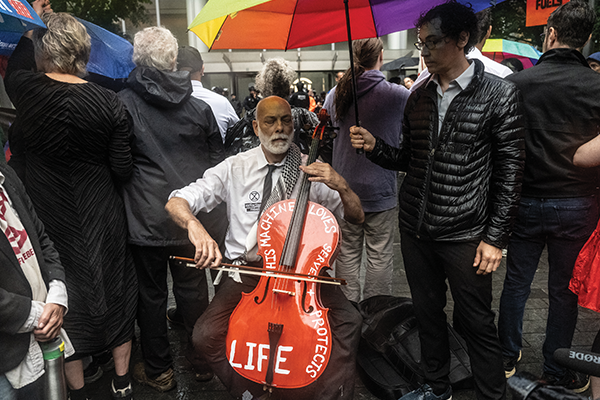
x=247 y=270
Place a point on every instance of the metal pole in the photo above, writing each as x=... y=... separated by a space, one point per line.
x=157 y=4
x=354 y=94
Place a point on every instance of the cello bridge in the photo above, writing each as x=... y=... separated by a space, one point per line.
x=284 y=292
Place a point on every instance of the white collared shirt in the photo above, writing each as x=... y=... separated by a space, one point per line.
x=239 y=181
x=490 y=66
x=220 y=106
x=454 y=88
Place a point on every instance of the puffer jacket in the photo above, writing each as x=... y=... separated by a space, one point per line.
x=463 y=184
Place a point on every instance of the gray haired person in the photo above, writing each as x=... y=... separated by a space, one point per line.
x=175 y=139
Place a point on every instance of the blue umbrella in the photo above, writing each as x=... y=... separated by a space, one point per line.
x=110 y=55
x=16 y=17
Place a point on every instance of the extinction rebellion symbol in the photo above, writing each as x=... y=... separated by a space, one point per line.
x=254 y=196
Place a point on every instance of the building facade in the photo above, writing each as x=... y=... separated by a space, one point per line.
x=236 y=69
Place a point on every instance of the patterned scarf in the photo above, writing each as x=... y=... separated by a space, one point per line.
x=289 y=177
x=282 y=191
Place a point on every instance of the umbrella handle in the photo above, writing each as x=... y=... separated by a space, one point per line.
x=354 y=94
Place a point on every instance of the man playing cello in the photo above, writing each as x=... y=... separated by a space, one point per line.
x=247 y=182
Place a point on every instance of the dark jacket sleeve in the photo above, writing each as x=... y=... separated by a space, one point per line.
x=20 y=66
x=119 y=149
x=14 y=308
x=22 y=59
x=386 y=156
x=507 y=169
x=216 y=147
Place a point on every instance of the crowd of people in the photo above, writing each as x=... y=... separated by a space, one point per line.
x=103 y=188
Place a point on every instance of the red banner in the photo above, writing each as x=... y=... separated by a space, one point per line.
x=538 y=11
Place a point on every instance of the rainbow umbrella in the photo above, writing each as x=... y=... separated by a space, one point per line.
x=500 y=49
x=290 y=24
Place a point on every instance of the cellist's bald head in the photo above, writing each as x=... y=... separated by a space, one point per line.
x=266 y=104
x=274 y=126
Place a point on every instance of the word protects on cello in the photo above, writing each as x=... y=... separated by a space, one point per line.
x=299 y=358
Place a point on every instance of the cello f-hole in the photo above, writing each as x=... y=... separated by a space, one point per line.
x=310 y=308
x=256 y=299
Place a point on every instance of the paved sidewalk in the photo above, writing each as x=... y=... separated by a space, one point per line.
x=534 y=327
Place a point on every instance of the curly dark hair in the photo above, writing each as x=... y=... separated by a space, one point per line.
x=456 y=18
x=573 y=22
x=366 y=54
x=484 y=20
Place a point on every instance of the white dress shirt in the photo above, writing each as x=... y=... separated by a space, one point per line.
x=220 y=106
x=454 y=88
x=239 y=181
x=490 y=66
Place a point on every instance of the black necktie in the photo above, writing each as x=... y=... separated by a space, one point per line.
x=267 y=188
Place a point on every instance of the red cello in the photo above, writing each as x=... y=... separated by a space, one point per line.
x=279 y=334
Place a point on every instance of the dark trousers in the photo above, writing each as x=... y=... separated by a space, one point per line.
x=428 y=264
x=563 y=225
x=190 y=290
x=336 y=382
x=33 y=391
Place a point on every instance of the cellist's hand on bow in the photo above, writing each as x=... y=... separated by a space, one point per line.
x=207 y=250
x=362 y=138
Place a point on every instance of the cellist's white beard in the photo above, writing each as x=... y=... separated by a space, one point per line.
x=273 y=144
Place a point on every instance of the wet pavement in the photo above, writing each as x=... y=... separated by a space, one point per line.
x=533 y=327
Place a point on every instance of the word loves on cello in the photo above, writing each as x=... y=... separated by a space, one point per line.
x=330 y=224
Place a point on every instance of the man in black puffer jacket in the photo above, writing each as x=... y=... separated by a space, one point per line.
x=463 y=152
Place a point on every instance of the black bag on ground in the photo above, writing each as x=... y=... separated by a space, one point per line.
x=389 y=354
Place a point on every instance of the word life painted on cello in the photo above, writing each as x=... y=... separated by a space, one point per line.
x=252 y=356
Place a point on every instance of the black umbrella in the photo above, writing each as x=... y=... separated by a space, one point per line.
x=402 y=62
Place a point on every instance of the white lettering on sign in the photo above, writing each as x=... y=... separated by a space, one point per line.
x=232 y=355
x=262 y=355
x=5 y=7
x=321 y=348
x=322 y=257
x=249 y=364
x=328 y=221
x=280 y=359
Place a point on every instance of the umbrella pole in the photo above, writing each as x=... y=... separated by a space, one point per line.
x=354 y=94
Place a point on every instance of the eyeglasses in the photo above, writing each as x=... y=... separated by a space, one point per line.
x=430 y=44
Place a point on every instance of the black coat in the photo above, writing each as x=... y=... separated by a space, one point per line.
x=463 y=184
x=175 y=139
x=15 y=291
x=562 y=111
